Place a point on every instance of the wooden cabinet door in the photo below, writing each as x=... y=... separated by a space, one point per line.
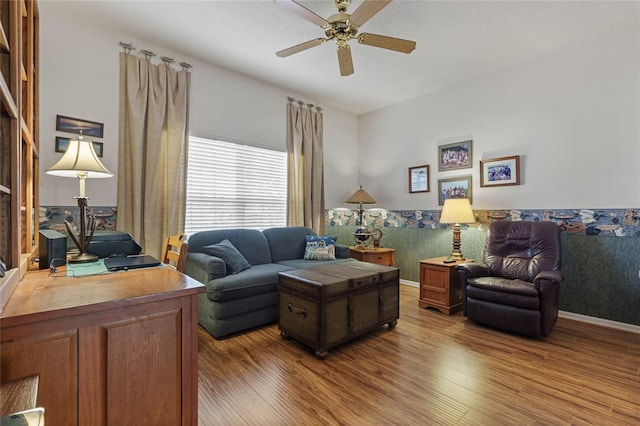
x=144 y=369
x=131 y=365
x=54 y=357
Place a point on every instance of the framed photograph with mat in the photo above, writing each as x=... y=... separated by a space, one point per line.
x=459 y=187
x=455 y=156
x=502 y=171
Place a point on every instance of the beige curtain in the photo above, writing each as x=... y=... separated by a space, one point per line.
x=154 y=129
x=305 y=206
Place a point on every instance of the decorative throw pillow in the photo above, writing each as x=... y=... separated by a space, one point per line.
x=234 y=260
x=320 y=247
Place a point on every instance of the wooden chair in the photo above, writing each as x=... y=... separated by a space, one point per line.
x=174 y=252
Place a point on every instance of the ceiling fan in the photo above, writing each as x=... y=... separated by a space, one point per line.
x=343 y=27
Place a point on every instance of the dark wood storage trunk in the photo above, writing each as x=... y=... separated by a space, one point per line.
x=330 y=304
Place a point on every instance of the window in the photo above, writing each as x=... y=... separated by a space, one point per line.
x=230 y=185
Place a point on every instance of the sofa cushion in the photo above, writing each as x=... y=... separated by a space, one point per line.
x=234 y=260
x=504 y=291
x=320 y=247
x=287 y=243
x=250 y=242
x=255 y=280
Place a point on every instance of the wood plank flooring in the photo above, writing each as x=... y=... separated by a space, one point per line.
x=432 y=369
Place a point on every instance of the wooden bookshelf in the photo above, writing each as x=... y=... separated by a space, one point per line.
x=19 y=156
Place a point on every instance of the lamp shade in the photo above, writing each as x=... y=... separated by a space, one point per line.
x=80 y=158
x=457 y=210
x=360 y=197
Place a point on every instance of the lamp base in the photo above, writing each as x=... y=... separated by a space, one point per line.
x=86 y=233
x=83 y=258
x=456 y=253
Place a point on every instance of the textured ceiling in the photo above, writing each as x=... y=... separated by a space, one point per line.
x=456 y=40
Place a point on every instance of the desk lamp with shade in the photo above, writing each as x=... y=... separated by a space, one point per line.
x=81 y=161
x=456 y=211
x=360 y=197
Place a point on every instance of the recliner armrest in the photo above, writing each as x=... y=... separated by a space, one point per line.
x=553 y=276
x=474 y=269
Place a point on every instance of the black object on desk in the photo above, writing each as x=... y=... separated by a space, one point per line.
x=123 y=263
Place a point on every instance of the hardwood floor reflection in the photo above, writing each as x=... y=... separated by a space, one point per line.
x=432 y=369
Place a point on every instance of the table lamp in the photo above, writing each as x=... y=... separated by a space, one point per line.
x=81 y=161
x=456 y=211
x=361 y=197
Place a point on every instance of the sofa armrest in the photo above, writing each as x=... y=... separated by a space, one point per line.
x=204 y=267
x=342 y=251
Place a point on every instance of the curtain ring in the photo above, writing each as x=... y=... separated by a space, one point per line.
x=149 y=54
x=128 y=47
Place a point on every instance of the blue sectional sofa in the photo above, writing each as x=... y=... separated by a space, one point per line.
x=239 y=301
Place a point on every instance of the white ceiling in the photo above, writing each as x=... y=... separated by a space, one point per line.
x=456 y=40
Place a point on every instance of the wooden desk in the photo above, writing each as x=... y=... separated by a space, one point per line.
x=118 y=348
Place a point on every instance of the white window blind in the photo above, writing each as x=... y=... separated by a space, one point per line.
x=230 y=185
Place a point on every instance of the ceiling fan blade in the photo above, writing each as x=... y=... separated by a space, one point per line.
x=345 y=61
x=367 y=10
x=300 y=47
x=303 y=12
x=386 y=42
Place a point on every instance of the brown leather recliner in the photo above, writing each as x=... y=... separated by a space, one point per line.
x=517 y=287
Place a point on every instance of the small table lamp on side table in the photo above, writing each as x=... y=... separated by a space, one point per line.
x=362 y=234
x=456 y=211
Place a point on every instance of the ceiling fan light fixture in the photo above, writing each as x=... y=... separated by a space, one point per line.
x=343 y=27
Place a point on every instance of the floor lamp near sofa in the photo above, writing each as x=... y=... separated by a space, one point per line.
x=81 y=161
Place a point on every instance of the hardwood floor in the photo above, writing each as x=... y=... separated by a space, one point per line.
x=432 y=369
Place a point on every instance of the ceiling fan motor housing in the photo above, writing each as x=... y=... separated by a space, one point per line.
x=340 y=28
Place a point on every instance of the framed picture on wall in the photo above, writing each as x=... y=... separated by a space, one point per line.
x=455 y=156
x=459 y=187
x=63 y=143
x=502 y=171
x=419 y=179
x=79 y=126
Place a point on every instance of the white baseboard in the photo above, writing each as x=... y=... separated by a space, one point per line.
x=600 y=321
x=576 y=317
x=410 y=283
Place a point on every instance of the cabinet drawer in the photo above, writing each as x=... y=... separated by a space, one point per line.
x=380 y=258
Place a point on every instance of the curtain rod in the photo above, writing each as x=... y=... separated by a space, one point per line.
x=128 y=47
x=290 y=99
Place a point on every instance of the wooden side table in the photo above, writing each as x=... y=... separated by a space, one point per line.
x=380 y=255
x=440 y=286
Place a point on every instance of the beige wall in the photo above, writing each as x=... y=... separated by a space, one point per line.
x=79 y=78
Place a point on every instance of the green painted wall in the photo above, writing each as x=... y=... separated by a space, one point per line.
x=601 y=273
